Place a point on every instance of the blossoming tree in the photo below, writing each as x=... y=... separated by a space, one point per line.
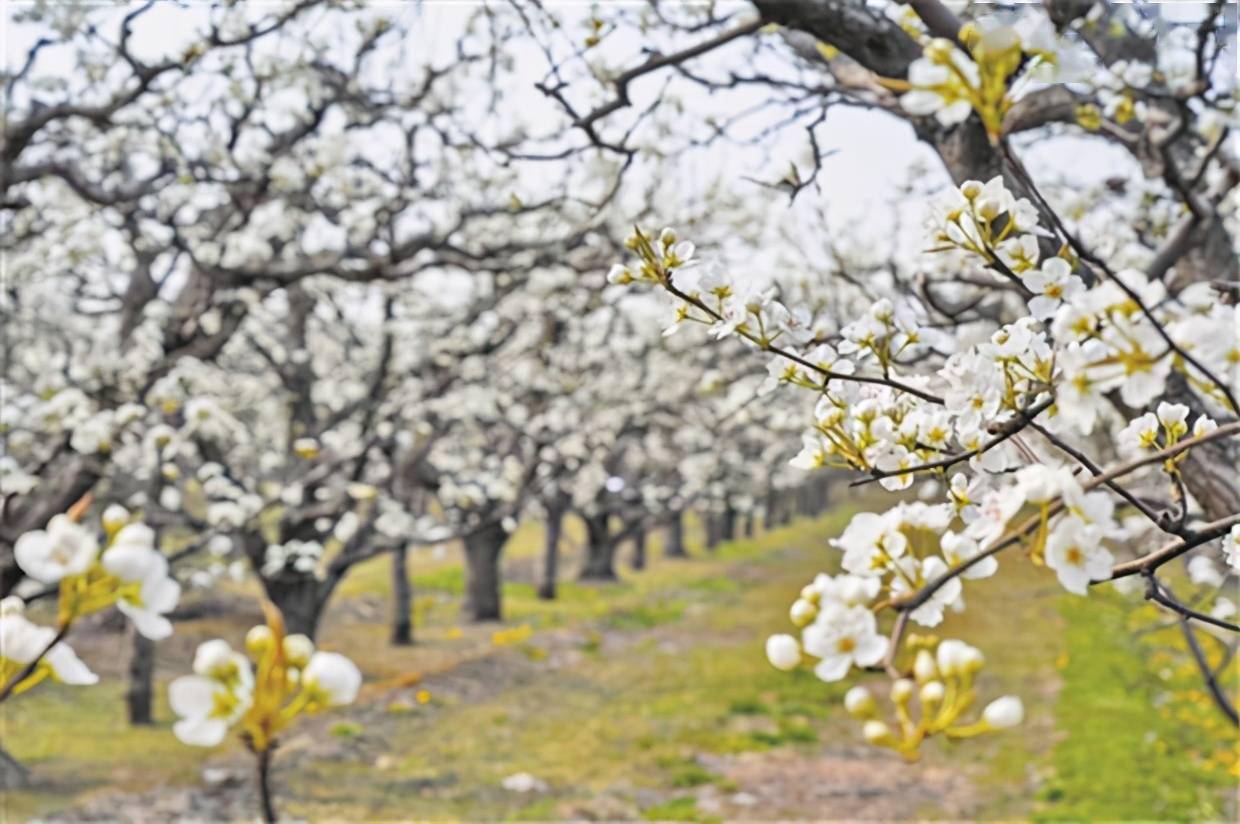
x=1062 y=371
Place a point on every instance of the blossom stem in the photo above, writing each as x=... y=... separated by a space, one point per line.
x=266 y=803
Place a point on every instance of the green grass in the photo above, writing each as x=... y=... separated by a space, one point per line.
x=1139 y=738
x=73 y=739
x=681 y=808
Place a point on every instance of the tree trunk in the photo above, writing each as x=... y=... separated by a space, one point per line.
x=727 y=529
x=747 y=524
x=551 y=554
x=600 y=551
x=639 y=548
x=674 y=544
x=402 y=599
x=713 y=529
x=483 y=595
x=141 y=676
x=297 y=596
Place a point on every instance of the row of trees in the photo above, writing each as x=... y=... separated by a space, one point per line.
x=295 y=309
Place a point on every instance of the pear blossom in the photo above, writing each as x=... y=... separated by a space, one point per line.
x=214 y=697
x=332 y=678
x=23 y=642
x=64 y=548
x=1075 y=552
x=1051 y=285
x=913 y=575
x=842 y=637
x=1231 y=549
x=959 y=548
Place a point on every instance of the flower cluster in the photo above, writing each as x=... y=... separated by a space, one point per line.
x=987 y=220
x=933 y=701
x=129 y=572
x=987 y=71
x=282 y=677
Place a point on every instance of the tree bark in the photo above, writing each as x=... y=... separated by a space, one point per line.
x=674 y=544
x=747 y=527
x=727 y=526
x=483 y=596
x=551 y=554
x=639 y=548
x=298 y=597
x=402 y=599
x=141 y=677
x=712 y=522
x=600 y=551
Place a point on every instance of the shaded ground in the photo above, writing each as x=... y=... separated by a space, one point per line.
x=648 y=698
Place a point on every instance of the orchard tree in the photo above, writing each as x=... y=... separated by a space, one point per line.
x=1061 y=373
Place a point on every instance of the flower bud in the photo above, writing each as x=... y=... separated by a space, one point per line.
x=940 y=50
x=948 y=656
x=783 y=652
x=307 y=448
x=878 y=733
x=802 y=612
x=259 y=640
x=297 y=649
x=902 y=691
x=1004 y=713
x=971 y=189
x=923 y=667
x=860 y=703
x=971 y=660
x=214 y=659
x=114 y=517
x=932 y=693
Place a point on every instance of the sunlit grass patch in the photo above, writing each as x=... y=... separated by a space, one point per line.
x=1140 y=740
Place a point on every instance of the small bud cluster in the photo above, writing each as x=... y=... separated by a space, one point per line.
x=933 y=701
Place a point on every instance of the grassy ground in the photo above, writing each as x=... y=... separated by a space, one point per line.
x=651 y=698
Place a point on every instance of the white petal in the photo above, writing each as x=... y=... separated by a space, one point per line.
x=192 y=695
x=148 y=624
x=833 y=667
x=200 y=732
x=870 y=651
